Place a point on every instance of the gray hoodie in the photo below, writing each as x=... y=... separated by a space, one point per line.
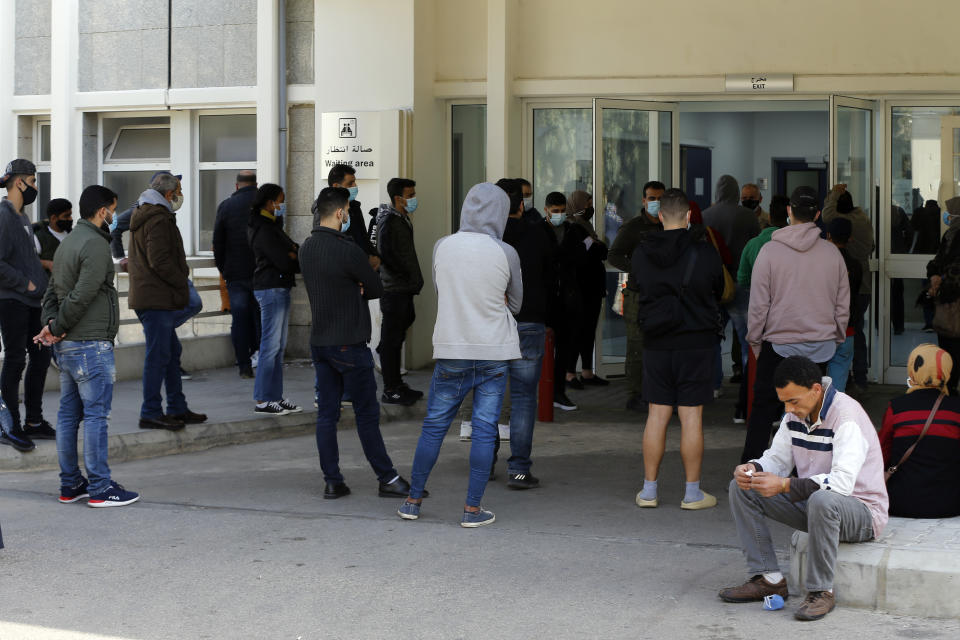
x=19 y=262
x=735 y=224
x=478 y=281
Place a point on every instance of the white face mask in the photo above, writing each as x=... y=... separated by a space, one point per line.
x=176 y=203
x=528 y=203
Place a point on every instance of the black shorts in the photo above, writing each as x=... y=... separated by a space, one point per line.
x=682 y=377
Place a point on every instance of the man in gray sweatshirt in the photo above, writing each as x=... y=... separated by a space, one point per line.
x=479 y=289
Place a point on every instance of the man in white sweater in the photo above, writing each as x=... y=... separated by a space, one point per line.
x=479 y=289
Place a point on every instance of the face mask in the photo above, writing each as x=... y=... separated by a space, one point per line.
x=345 y=225
x=528 y=203
x=587 y=213
x=176 y=203
x=411 y=205
x=556 y=219
x=653 y=208
x=65 y=225
x=281 y=210
x=750 y=204
x=353 y=193
x=29 y=194
x=946 y=218
x=113 y=223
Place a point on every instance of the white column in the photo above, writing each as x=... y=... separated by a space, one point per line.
x=268 y=91
x=8 y=120
x=181 y=150
x=503 y=109
x=66 y=175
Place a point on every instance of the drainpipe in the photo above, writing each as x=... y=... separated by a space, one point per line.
x=282 y=46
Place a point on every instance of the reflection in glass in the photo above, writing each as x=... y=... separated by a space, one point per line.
x=214 y=187
x=468 y=153
x=43 y=196
x=44 y=143
x=613 y=346
x=128 y=185
x=562 y=152
x=142 y=144
x=626 y=167
x=228 y=138
x=855 y=154
x=911 y=318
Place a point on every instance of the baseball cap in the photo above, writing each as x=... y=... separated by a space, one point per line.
x=18 y=167
x=178 y=176
x=805 y=196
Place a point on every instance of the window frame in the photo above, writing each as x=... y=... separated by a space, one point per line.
x=43 y=166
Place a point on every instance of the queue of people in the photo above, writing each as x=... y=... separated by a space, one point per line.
x=505 y=280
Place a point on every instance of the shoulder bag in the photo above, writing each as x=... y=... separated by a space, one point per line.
x=657 y=317
x=891 y=470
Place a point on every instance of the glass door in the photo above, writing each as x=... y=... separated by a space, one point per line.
x=633 y=142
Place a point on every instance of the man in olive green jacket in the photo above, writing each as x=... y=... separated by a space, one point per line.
x=81 y=315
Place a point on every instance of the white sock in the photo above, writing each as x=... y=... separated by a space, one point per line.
x=773 y=577
x=261 y=405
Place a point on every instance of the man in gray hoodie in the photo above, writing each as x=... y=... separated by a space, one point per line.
x=479 y=289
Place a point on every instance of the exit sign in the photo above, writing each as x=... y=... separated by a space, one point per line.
x=760 y=83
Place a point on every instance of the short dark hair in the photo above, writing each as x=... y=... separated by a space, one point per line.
x=512 y=187
x=94 y=198
x=674 y=204
x=57 y=206
x=329 y=200
x=523 y=182
x=840 y=230
x=805 y=204
x=396 y=186
x=653 y=184
x=778 y=211
x=799 y=370
x=246 y=178
x=339 y=173
x=555 y=198
x=265 y=193
x=845 y=203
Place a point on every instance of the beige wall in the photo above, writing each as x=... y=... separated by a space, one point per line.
x=460 y=33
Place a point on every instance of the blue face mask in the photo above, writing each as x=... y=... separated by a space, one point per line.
x=411 y=205
x=113 y=225
x=556 y=219
x=946 y=218
x=353 y=193
x=345 y=225
x=281 y=210
x=653 y=208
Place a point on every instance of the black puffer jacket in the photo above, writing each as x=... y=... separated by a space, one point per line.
x=231 y=248
x=400 y=269
x=274 y=251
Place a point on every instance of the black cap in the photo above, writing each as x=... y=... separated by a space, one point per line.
x=178 y=176
x=805 y=197
x=18 y=167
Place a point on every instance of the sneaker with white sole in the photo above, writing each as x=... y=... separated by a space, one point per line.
x=289 y=406
x=561 y=401
x=72 y=494
x=472 y=519
x=115 y=496
x=271 y=408
x=409 y=510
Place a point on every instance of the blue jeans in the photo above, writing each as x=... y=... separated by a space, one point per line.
x=87 y=374
x=524 y=380
x=194 y=306
x=274 y=317
x=161 y=366
x=245 y=328
x=452 y=381
x=839 y=366
x=348 y=368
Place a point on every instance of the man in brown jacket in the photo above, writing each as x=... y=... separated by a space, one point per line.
x=159 y=292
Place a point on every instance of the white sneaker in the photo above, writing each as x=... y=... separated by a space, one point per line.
x=254 y=359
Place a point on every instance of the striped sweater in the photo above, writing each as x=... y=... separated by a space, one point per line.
x=839 y=452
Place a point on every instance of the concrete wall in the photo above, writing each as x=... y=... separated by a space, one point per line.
x=299 y=220
x=123 y=45
x=214 y=43
x=300 y=36
x=32 y=53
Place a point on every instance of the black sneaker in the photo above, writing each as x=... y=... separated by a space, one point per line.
x=17 y=440
x=561 y=401
x=42 y=431
x=398 y=396
x=271 y=408
x=162 y=422
x=247 y=373
x=413 y=392
x=72 y=494
x=523 y=481
x=575 y=384
x=595 y=381
x=185 y=375
x=189 y=417
x=333 y=491
x=291 y=407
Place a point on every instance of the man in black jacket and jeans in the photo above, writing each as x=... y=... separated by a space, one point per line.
x=679 y=286
x=345 y=176
x=339 y=281
x=402 y=279
x=236 y=263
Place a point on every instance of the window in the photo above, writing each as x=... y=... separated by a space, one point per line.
x=227 y=143
x=42 y=153
x=468 y=152
x=133 y=149
x=562 y=152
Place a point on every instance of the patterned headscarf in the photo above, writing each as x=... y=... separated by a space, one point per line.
x=929 y=367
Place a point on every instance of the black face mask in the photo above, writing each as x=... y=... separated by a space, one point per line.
x=750 y=204
x=29 y=195
x=65 y=226
x=587 y=213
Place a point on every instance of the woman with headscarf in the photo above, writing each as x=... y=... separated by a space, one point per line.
x=944 y=275
x=582 y=255
x=927 y=485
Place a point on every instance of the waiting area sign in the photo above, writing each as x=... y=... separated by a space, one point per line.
x=353 y=139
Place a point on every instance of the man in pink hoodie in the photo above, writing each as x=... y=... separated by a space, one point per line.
x=799 y=306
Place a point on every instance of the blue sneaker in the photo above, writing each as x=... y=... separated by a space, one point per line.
x=115 y=496
x=409 y=510
x=473 y=519
x=74 y=493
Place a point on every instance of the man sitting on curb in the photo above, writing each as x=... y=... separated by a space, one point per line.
x=839 y=495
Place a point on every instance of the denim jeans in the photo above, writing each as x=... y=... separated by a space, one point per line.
x=524 y=382
x=348 y=368
x=452 y=381
x=194 y=306
x=839 y=366
x=18 y=324
x=274 y=317
x=245 y=328
x=87 y=375
x=161 y=366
